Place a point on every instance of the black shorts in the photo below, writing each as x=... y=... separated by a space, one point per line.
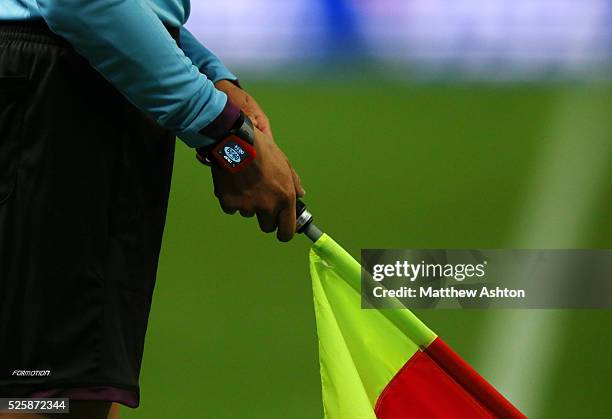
x=84 y=183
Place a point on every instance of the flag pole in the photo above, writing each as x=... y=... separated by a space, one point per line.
x=304 y=222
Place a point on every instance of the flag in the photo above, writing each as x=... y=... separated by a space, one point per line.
x=387 y=364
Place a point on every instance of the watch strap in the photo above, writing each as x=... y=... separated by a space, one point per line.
x=235 y=151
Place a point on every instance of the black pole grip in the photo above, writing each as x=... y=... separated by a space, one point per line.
x=303 y=217
x=300 y=207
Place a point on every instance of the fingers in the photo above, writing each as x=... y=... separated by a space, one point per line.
x=281 y=218
x=263 y=124
x=299 y=190
x=231 y=206
x=297 y=182
x=260 y=121
x=286 y=223
x=227 y=206
x=247 y=214
x=247 y=104
x=257 y=115
x=267 y=221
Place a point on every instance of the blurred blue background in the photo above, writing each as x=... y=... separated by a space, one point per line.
x=492 y=39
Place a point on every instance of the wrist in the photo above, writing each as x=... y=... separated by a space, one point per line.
x=227 y=84
x=235 y=151
x=223 y=123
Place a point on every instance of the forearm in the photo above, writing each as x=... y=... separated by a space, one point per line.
x=204 y=59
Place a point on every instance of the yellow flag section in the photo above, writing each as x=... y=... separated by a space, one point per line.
x=360 y=350
x=364 y=354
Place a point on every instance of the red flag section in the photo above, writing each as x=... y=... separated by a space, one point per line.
x=437 y=383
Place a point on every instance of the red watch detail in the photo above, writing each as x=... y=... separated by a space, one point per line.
x=233 y=154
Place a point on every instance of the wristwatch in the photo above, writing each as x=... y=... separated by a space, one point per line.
x=235 y=151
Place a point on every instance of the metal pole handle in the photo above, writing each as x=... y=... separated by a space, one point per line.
x=304 y=222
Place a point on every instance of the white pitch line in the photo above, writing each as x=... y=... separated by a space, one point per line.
x=520 y=347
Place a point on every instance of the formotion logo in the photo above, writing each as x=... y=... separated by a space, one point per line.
x=414 y=271
x=31 y=373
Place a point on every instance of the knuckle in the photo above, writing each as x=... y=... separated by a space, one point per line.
x=265 y=209
x=285 y=197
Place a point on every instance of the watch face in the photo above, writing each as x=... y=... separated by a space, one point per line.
x=233 y=153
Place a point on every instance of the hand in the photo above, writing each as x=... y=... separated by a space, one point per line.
x=247 y=104
x=266 y=188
